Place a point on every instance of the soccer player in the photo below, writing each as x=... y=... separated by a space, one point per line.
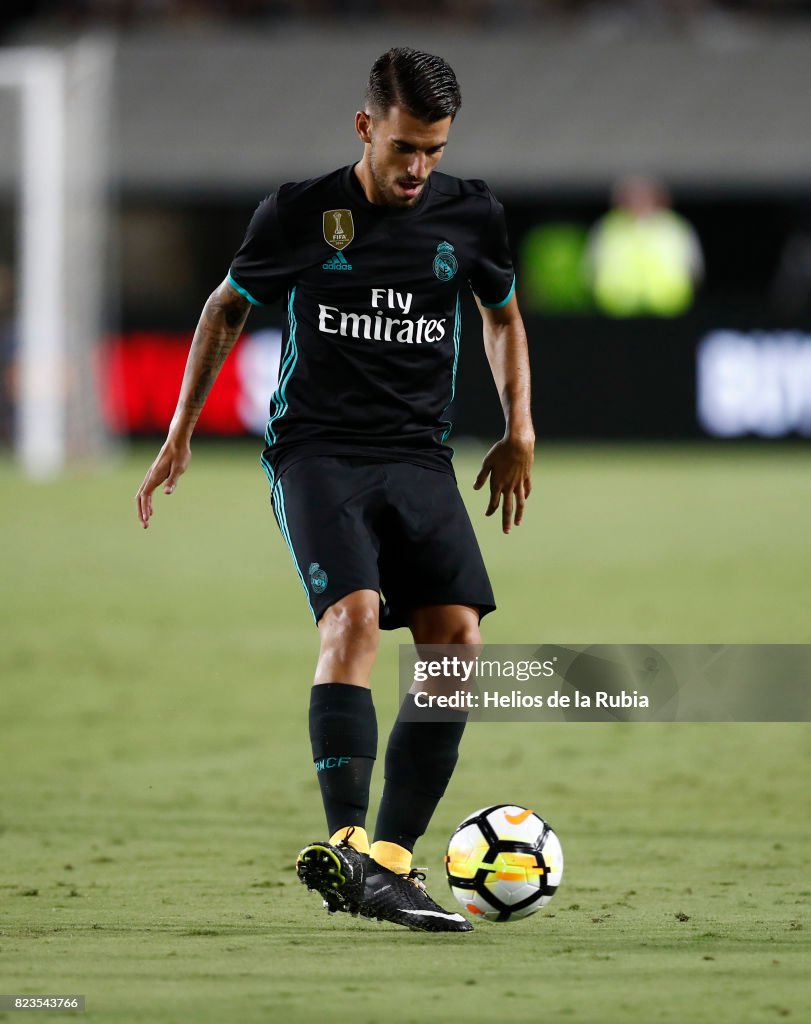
x=370 y=261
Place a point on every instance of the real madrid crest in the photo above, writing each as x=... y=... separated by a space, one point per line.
x=318 y=578
x=339 y=228
x=445 y=265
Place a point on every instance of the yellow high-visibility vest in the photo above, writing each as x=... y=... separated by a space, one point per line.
x=643 y=266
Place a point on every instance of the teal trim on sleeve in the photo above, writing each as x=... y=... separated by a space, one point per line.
x=500 y=305
x=244 y=292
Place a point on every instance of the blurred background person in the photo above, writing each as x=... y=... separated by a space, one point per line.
x=643 y=258
x=554 y=278
x=791 y=287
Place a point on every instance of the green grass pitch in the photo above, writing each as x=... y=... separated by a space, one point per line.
x=156 y=780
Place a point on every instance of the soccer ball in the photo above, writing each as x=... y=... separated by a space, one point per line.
x=504 y=862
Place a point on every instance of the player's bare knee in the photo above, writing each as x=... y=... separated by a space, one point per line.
x=460 y=633
x=467 y=633
x=350 y=628
x=448 y=631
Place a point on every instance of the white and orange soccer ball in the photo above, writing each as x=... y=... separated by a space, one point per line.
x=504 y=862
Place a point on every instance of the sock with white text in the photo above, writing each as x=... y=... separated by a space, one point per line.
x=343 y=734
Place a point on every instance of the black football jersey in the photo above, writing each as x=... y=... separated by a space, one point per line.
x=371 y=341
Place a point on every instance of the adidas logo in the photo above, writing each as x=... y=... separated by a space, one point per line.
x=337 y=262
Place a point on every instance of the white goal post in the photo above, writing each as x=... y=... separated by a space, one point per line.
x=64 y=102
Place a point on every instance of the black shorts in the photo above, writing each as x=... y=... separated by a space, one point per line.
x=394 y=527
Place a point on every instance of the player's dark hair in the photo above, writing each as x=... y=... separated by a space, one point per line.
x=420 y=83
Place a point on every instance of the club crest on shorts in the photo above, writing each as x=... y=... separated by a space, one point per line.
x=318 y=578
x=339 y=228
x=445 y=265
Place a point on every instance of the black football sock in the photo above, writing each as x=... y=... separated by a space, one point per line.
x=420 y=759
x=343 y=733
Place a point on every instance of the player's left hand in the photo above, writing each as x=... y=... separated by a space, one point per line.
x=509 y=466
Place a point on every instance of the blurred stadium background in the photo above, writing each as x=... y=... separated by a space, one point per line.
x=177 y=116
x=156 y=779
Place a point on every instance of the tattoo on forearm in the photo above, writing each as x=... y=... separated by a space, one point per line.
x=218 y=330
x=235 y=315
x=201 y=389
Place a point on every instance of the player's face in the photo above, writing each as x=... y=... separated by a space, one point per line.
x=400 y=152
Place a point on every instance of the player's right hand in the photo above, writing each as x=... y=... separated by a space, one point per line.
x=172 y=461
